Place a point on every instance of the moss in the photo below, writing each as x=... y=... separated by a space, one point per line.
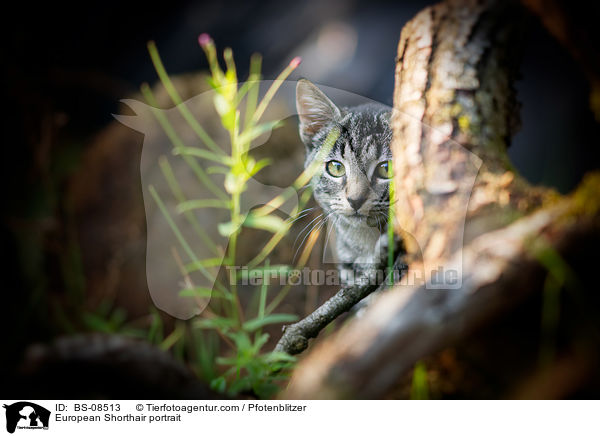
x=464 y=123
x=586 y=198
x=456 y=109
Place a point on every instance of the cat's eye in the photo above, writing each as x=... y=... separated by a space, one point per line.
x=384 y=170
x=335 y=168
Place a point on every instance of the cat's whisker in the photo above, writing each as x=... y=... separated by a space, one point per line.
x=306 y=227
x=332 y=225
x=305 y=238
x=378 y=223
x=300 y=214
x=316 y=227
x=298 y=218
x=308 y=209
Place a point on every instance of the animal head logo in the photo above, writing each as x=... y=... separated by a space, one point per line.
x=24 y=414
x=169 y=176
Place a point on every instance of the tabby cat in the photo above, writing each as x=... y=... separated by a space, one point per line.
x=353 y=188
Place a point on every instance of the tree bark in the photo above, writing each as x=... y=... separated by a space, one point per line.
x=459 y=204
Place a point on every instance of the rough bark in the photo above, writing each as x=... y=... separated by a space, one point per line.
x=459 y=204
x=455 y=109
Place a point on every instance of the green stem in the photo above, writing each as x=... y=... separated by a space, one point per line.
x=174 y=138
x=172 y=91
x=390 y=234
x=273 y=89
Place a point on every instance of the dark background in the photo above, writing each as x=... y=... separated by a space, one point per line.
x=65 y=68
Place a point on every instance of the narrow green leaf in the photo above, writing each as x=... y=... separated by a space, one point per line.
x=201 y=153
x=253 y=88
x=264 y=103
x=172 y=339
x=259 y=166
x=177 y=143
x=241 y=339
x=260 y=342
x=215 y=323
x=202 y=203
x=176 y=98
x=275 y=318
x=219 y=385
x=420 y=386
x=169 y=175
x=251 y=134
x=272 y=270
x=227 y=229
x=276 y=356
x=271 y=223
x=200 y=292
x=217 y=170
x=204 y=263
x=226 y=361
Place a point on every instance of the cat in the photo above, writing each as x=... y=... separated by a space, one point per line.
x=353 y=186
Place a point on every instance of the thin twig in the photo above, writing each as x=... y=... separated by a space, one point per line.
x=295 y=336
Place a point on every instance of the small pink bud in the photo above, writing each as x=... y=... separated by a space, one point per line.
x=204 y=39
x=295 y=62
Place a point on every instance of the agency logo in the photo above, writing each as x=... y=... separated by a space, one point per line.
x=27 y=416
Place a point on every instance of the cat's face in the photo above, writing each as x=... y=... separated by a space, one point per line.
x=354 y=184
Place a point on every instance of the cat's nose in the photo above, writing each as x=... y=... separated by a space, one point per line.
x=356 y=203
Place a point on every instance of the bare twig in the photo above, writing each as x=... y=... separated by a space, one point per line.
x=295 y=336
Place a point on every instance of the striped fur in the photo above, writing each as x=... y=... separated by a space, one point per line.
x=364 y=142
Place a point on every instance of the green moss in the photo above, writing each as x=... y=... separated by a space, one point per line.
x=583 y=203
x=464 y=123
x=586 y=198
x=456 y=109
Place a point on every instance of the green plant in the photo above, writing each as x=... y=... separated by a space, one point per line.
x=559 y=276
x=420 y=387
x=225 y=345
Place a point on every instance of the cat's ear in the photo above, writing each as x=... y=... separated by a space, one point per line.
x=315 y=110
